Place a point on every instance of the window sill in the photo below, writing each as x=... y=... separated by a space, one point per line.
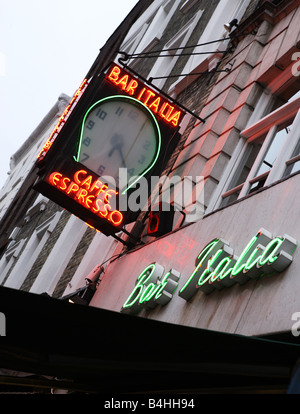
x=278 y=117
x=252 y=194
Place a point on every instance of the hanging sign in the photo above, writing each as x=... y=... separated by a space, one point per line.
x=62 y=120
x=114 y=124
x=217 y=267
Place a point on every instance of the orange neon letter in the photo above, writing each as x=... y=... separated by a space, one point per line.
x=132 y=87
x=118 y=219
x=101 y=189
x=104 y=213
x=73 y=188
x=97 y=208
x=97 y=184
x=76 y=176
x=168 y=114
x=150 y=95
x=174 y=118
x=109 y=193
x=155 y=105
x=54 y=178
x=89 y=200
x=82 y=193
x=65 y=182
x=114 y=74
x=141 y=94
x=123 y=82
x=87 y=182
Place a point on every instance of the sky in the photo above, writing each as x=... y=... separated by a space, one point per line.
x=46 y=48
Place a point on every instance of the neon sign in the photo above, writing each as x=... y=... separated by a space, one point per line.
x=216 y=268
x=90 y=193
x=62 y=120
x=136 y=138
x=114 y=121
x=152 y=100
x=152 y=288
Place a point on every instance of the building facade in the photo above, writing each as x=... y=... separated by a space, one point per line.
x=247 y=152
x=229 y=261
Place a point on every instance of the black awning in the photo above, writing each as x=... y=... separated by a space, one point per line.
x=95 y=350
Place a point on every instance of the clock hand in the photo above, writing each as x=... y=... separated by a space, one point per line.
x=111 y=151
x=119 y=148
x=117 y=141
x=122 y=157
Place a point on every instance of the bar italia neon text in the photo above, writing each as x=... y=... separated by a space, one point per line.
x=156 y=103
x=216 y=268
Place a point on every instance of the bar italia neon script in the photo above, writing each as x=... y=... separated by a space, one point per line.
x=217 y=266
x=152 y=288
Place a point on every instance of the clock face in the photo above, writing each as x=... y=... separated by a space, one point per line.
x=119 y=132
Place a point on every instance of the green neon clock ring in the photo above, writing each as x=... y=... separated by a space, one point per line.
x=119 y=132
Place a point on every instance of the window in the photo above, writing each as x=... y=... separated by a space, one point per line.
x=269 y=156
x=9 y=259
x=164 y=65
x=187 y=5
x=60 y=255
x=31 y=252
x=148 y=30
x=293 y=164
x=225 y=11
x=270 y=152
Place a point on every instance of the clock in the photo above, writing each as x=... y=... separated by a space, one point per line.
x=119 y=132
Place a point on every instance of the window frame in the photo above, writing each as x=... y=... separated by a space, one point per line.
x=269 y=126
x=31 y=251
x=260 y=127
x=149 y=29
x=9 y=258
x=225 y=11
x=165 y=65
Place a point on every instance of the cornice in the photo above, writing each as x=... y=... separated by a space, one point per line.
x=266 y=12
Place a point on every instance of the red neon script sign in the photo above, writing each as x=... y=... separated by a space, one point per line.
x=90 y=193
x=155 y=102
x=62 y=120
